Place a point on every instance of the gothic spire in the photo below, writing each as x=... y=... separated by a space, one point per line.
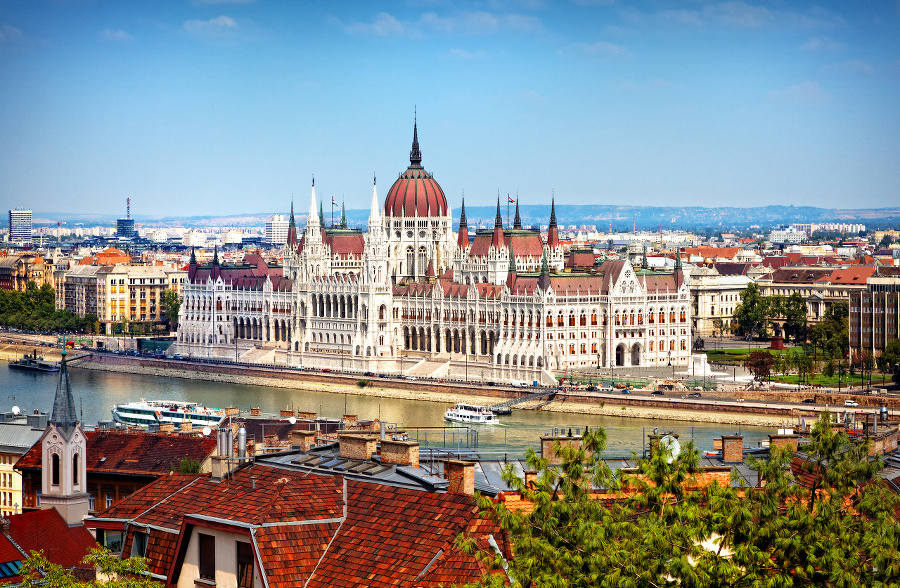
x=462 y=237
x=415 y=156
x=553 y=232
x=544 y=278
x=517 y=223
x=679 y=272
x=644 y=263
x=321 y=216
x=291 y=222
x=193 y=257
x=343 y=217
x=215 y=260
x=498 y=222
x=64 y=416
x=374 y=207
x=497 y=240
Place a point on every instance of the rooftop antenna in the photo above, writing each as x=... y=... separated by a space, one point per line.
x=128 y=208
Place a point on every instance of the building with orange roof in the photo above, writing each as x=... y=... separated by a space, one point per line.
x=19 y=269
x=109 y=256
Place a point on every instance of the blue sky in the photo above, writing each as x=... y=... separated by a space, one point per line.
x=225 y=107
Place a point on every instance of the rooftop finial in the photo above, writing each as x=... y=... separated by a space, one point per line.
x=415 y=156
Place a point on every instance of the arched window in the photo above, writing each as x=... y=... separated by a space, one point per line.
x=651 y=345
x=410 y=262
x=54 y=470
x=75 y=469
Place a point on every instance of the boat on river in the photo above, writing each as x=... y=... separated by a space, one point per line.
x=471 y=414
x=156 y=412
x=34 y=363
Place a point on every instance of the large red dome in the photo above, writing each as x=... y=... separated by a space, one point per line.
x=415 y=193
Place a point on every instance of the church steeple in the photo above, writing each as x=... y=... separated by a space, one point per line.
x=415 y=156
x=462 y=237
x=553 y=232
x=497 y=239
x=64 y=415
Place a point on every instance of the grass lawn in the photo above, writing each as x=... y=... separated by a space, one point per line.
x=823 y=380
x=736 y=356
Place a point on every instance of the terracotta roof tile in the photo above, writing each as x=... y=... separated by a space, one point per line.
x=46 y=530
x=142 y=454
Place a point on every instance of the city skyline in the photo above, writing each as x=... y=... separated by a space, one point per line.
x=232 y=106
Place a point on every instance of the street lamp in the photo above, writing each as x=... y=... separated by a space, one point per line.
x=670 y=364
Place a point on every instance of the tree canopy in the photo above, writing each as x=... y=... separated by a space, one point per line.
x=38 y=572
x=751 y=313
x=35 y=310
x=657 y=527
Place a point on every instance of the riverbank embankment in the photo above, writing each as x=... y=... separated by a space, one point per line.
x=444 y=393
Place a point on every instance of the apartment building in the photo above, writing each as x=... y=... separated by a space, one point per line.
x=119 y=293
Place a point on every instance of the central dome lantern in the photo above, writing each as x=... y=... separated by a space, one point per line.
x=415 y=193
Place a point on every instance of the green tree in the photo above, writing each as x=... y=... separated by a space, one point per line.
x=793 y=311
x=664 y=530
x=752 y=312
x=170 y=301
x=890 y=357
x=189 y=465
x=717 y=325
x=38 y=572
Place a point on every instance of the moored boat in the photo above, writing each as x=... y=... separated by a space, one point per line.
x=154 y=412
x=35 y=363
x=470 y=414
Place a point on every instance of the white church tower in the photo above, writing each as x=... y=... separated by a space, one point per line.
x=63 y=452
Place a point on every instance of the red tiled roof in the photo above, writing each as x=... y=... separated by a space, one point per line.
x=142 y=454
x=712 y=252
x=391 y=535
x=524 y=244
x=9 y=552
x=46 y=530
x=345 y=244
x=798 y=275
x=290 y=553
x=851 y=275
x=415 y=193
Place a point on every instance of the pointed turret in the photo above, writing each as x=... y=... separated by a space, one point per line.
x=313 y=220
x=415 y=156
x=321 y=216
x=374 y=208
x=462 y=237
x=216 y=270
x=192 y=266
x=553 y=233
x=497 y=238
x=292 y=230
x=679 y=270
x=511 y=272
x=644 y=263
x=517 y=223
x=64 y=415
x=343 y=217
x=544 y=278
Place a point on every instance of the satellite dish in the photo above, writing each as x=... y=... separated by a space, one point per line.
x=292 y=420
x=16 y=410
x=671 y=446
x=206 y=431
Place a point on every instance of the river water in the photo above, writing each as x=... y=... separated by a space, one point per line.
x=97 y=391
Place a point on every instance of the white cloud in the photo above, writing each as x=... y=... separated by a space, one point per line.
x=852 y=66
x=802 y=93
x=602 y=49
x=822 y=44
x=384 y=25
x=217 y=25
x=464 y=23
x=115 y=35
x=736 y=13
x=464 y=55
x=10 y=34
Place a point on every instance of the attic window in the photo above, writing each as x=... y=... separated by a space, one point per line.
x=102 y=459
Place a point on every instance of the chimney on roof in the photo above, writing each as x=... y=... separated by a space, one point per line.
x=357 y=446
x=461 y=475
x=303 y=440
x=402 y=453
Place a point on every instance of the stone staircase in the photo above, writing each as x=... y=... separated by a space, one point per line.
x=264 y=355
x=429 y=368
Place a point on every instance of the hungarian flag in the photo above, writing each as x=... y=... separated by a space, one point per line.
x=333 y=203
x=510 y=199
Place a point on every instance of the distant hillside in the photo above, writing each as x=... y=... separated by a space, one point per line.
x=695 y=218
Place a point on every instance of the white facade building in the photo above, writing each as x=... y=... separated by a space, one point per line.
x=409 y=295
x=276 y=230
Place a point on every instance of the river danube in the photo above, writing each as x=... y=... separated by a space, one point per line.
x=96 y=392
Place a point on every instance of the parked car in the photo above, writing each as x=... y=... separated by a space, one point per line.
x=627 y=391
x=851 y=403
x=369 y=374
x=657 y=393
x=809 y=401
x=694 y=395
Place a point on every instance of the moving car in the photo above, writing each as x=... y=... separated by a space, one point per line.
x=694 y=395
x=809 y=401
x=851 y=403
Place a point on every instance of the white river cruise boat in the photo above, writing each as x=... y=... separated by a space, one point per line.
x=470 y=414
x=152 y=412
